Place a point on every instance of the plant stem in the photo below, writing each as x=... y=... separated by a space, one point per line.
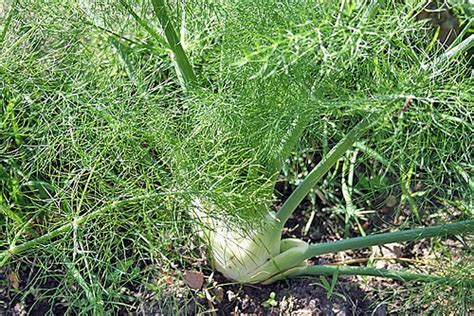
x=346 y=270
x=14 y=250
x=458 y=49
x=17 y=249
x=459 y=228
x=320 y=170
x=182 y=61
x=283 y=264
x=144 y=24
x=7 y=22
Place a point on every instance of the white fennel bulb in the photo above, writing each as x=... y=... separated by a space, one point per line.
x=237 y=253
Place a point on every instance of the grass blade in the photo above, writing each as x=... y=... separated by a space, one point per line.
x=123 y=53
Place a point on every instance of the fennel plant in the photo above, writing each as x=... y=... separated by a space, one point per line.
x=261 y=255
x=110 y=150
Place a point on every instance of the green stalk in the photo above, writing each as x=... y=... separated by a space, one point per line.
x=347 y=270
x=182 y=61
x=459 y=228
x=7 y=22
x=17 y=249
x=19 y=41
x=144 y=24
x=320 y=170
x=291 y=258
x=14 y=250
x=458 y=49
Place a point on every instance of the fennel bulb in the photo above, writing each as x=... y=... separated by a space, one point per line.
x=237 y=253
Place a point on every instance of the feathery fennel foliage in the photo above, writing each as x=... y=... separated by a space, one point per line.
x=102 y=150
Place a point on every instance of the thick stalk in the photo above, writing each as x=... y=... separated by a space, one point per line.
x=287 y=261
x=321 y=169
x=181 y=59
x=459 y=228
x=458 y=49
x=346 y=270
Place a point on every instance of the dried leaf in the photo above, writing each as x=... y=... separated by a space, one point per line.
x=168 y=280
x=14 y=281
x=194 y=279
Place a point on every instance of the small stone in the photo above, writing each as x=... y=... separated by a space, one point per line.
x=391 y=201
x=231 y=295
x=302 y=312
